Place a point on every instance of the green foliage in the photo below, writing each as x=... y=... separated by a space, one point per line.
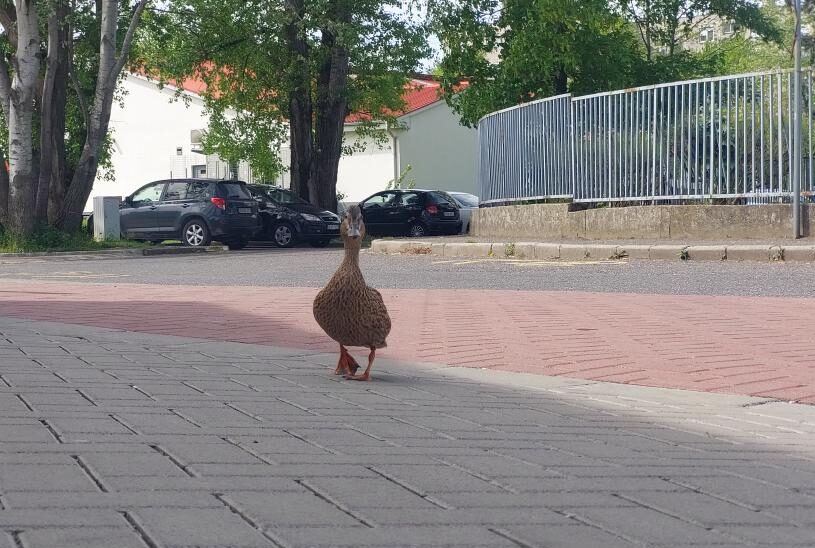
x=402 y=181
x=545 y=47
x=548 y=47
x=241 y=50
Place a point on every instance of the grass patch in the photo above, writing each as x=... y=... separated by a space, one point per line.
x=50 y=239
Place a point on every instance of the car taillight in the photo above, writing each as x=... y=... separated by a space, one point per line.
x=220 y=203
x=433 y=210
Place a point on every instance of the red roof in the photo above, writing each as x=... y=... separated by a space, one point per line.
x=420 y=92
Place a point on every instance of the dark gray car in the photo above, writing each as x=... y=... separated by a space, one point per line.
x=195 y=211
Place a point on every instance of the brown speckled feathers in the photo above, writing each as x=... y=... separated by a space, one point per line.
x=349 y=311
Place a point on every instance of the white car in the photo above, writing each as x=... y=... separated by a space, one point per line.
x=466 y=204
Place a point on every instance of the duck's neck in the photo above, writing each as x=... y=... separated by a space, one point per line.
x=351 y=255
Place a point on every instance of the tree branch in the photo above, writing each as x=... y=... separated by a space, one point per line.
x=83 y=106
x=128 y=41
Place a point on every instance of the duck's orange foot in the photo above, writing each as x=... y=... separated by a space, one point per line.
x=347 y=365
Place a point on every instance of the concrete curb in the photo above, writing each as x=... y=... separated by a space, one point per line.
x=597 y=251
x=137 y=252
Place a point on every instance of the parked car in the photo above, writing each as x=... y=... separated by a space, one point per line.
x=195 y=211
x=466 y=204
x=415 y=213
x=287 y=219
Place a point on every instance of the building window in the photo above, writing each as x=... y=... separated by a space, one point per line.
x=729 y=28
x=706 y=36
x=179 y=151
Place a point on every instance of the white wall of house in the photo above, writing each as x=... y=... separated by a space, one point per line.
x=442 y=153
x=147 y=132
x=363 y=173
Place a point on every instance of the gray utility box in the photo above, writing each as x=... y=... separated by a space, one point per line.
x=106 y=225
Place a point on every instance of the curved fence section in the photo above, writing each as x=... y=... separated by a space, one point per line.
x=525 y=153
x=728 y=137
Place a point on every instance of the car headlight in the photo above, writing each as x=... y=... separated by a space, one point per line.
x=332 y=215
x=310 y=217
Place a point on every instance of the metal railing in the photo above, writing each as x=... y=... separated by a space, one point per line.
x=726 y=137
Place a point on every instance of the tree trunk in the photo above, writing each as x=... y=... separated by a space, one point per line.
x=331 y=111
x=22 y=189
x=52 y=111
x=561 y=81
x=301 y=110
x=110 y=66
x=332 y=107
x=4 y=188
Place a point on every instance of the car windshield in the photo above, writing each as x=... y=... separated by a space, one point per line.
x=280 y=196
x=466 y=200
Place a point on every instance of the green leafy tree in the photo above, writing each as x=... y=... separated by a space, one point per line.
x=60 y=62
x=544 y=48
x=515 y=51
x=290 y=71
x=662 y=24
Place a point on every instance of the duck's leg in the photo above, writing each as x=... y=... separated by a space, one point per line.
x=347 y=365
x=367 y=375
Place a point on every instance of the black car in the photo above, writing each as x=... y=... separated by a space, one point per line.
x=195 y=211
x=287 y=219
x=414 y=213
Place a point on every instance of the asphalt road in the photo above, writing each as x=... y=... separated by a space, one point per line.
x=306 y=267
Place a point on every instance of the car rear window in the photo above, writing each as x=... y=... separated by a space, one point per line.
x=466 y=200
x=234 y=190
x=439 y=198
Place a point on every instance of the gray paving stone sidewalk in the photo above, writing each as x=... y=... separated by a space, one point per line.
x=115 y=440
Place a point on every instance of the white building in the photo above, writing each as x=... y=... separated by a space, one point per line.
x=157 y=136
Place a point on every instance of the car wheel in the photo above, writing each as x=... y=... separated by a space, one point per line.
x=237 y=245
x=283 y=235
x=320 y=243
x=196 y=234
x=417 y=230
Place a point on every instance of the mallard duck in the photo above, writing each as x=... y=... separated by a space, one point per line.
x=349 y=311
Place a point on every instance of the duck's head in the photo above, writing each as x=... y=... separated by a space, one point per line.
x=353 y=227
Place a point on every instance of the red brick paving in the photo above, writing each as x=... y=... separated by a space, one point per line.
x=745 y=345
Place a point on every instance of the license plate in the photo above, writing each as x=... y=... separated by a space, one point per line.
x=333 y=227
x=244 y=210
x=449 y=213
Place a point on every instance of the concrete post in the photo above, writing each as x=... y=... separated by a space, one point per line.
x=106 y=224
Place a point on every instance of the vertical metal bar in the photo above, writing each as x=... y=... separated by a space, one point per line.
x=771 y=124
x=736 y=133
x=790 y=132
x=704 y=140
x=607 y=147
x=744 y=133
x=727 y=188
x=712 y=134
x=761 y=126
x=796 y=167
x=696 y=140
x=719 y=140
x=660 y=98
x=635 y=133
x=753 y=133
x=653 y=155
x=810 y=185
x=780 y=124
